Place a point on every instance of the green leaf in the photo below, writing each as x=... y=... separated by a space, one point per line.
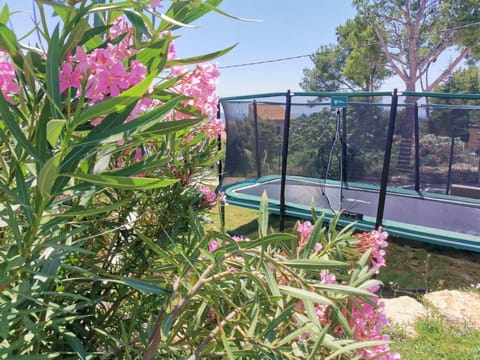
x=53 y=82
x=22 y=191
x=15 y=129
x=138 y=23
x=355 y=346
x=263 y=218
x=76 y=35
x=315 y=264
x=47 y=176
x=345 y=289
x=143 y=122
x=122 y=182
x=227 y=348
x=270 y=330
x=202 y=58
x=302 y=294
x=84 y=212
x=316 y=236
x=141 y=285
x=54 y=129
x=4 y=14
x=8 y=40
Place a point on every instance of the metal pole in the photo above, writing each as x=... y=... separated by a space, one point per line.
x=417 y=151
x=387 y=159
x=344 y=145
x=450 y=161
x=257 y=146
x=286 y=133
x=220 y=169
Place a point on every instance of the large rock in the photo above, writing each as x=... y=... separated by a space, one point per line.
x=403 y=312
x=458 y=307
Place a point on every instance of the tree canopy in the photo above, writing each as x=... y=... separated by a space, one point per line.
x=413 y=34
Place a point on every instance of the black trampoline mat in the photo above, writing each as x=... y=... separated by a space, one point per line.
x=442 y=214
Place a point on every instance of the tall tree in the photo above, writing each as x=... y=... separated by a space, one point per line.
x=414 y=33
x=355 y=63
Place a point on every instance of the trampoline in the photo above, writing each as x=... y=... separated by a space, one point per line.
x=341 y=153
x=432 y=218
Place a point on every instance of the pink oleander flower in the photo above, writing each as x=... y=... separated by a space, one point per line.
x=375 y=240
x=318 y=247
x=213 y=245
x=105 y=72
x=7 y=77
x=155 y=4
x=240 y=238
x=327 y=277
x=304 y=229
x=209 y=196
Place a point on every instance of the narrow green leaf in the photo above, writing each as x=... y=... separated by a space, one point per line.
x=308 y=328
x=273 y=325
x=184 y=13
x=4 y=14
x=316 y=236
x=344 y=289
x=312 y=315
x=84 y=212
x=315 y=264
x=141 y=285
x=227 y=348
x=302 y=294
x=15 y=129
x=53 y=65
x=355 y=346
x=121 y=182
x=143 y=122
x=138 y=23
x=263 y=218
x=47 y=176
x=22 y=191
x=76 y=34
x=14 y=227
x=214 y=8
x=202 y=58
x=8 y=40
x=75 y=344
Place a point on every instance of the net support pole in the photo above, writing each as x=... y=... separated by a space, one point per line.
x=257 y=145
x=344 y=145
x=283 y=180
x=450 y=160
x=387 y=159
x=417 y=151
x=220 y=169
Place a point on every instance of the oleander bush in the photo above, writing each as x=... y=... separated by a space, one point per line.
x=105 y=139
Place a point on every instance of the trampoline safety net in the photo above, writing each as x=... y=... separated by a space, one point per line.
x=436 y=142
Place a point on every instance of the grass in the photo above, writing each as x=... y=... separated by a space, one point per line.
x=437 y=340
x=412 y=267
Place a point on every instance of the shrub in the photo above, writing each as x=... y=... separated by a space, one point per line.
x=104 y=140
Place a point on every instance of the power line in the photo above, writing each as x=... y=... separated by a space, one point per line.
x=347 y=48
x=265 y=61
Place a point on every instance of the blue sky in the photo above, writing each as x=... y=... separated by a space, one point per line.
x=286 y=29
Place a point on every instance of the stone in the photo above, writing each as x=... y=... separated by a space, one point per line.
x=402 y=312
x=460 y=308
